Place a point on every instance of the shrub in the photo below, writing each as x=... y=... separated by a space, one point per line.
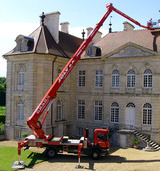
x=135 y=141
x=2 y=118
x=2 y=110
x=2 y=129
x=24 y=134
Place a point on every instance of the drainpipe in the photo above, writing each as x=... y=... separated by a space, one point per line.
x=52 y=103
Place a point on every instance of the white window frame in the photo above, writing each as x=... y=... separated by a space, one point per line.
x=21 y=76
x=114 y=112
x=17 y=134
x=99 y=79
x=20 y=111
x=82 y=79
x=147 y=79
x=147 y=114
x=98 y=110
x=131 y=79
x=81 y=109
x=115 y=79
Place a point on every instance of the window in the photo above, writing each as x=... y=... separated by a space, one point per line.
x=147 y=83
x=21 y=76
x=98 y=110
x=81 y=79
x=98 y=51
x=93 y=51
x=90 y=51
x=17 y=134
x=130 y=105
x=59 y=110
x=81 y=109
x=24 y=43
x=115 y=79
x=131 y=79
x=101 y=137
x=115 y=112
x=147 y=114
x=20 y=79
x=59 y=71
x=99 y=79
x=80 y=131
x=20 y=107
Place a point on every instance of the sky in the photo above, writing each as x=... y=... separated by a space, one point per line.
x=22 y=17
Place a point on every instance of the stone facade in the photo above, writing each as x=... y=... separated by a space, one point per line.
x=93 y=95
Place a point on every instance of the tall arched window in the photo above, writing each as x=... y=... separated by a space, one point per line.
x=147 y=114
x=21 y=76
x=147 y=82
x=20 y=107
x=131 y=79
x=130 y=105
x=115 y=79
x=115 y=112
x=20 y=79
x=59 y=110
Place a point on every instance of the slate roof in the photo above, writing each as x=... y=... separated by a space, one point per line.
x=44 y=43
x=115 y=40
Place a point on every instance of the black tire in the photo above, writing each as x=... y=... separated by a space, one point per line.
x=96 y=154
x=51 y=152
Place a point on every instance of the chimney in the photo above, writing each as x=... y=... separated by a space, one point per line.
x=52 y=23
x=97 y=37
x=128 y=26
x=65 y=27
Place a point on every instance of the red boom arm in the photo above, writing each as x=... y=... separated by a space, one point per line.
x=51 y=94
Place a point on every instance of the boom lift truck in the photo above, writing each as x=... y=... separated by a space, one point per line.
x=54 y=145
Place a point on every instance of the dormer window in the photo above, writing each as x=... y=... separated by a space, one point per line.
x=24 y=44
x=93 y=51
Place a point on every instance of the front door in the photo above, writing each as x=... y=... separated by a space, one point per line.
x=130 y=116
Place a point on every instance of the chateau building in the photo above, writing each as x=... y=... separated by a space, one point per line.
x=116 y=83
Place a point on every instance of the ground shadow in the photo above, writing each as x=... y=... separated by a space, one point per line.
x=34 y=157
x=73 y=158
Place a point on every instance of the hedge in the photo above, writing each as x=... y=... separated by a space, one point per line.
x=2 y=129
x=2 y=118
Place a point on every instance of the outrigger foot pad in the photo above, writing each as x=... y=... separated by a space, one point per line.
x=79 y=167
x=18 y=165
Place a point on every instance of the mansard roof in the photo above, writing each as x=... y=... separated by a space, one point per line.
x=44 y=43
x=144 y=38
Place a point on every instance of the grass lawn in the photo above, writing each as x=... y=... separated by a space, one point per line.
x=10 y=154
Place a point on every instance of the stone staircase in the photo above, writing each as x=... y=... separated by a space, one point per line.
x=146 y=139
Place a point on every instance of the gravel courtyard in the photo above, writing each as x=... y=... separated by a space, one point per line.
x=129 y=159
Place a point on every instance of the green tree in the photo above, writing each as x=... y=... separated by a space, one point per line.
x=2 y=91
x=2 y=80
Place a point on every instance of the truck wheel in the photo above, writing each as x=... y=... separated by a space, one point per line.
x=96 y=154
x=51 y=152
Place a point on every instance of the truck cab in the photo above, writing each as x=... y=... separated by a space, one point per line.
x=101 y=143
x=101 y=138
